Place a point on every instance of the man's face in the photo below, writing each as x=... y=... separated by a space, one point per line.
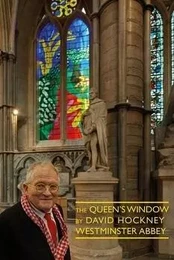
x=92 y=94
x=43 y=176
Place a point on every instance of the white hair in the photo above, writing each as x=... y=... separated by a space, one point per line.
x=31 y=172
x=20 y=185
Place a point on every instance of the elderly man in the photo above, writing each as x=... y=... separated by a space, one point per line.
x=34 y=229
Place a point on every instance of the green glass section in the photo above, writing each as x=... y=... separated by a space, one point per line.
x=48 y=81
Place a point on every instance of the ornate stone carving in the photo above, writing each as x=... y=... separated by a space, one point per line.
x=68 y=164
x=166 y=147
x=166 y=158
x=64 y=174
x=7 y=56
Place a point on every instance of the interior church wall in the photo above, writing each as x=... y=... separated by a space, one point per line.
x=109 y=75
x=27 y=20
x=135 y=79
x=119 y=56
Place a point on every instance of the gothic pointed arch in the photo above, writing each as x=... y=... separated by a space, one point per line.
x=62 y=68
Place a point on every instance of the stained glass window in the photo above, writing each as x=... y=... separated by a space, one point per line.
x=62 y=79
x=77 y=95
x=172 y=46
x=48 y=78
x=157 y=70
x=61 y=8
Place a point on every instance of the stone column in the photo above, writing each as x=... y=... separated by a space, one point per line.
x=95 y=45
x=109 y=72
x=122 y=109
x=7 y=105
x=147 y=100
x=109 y=51
x=3 y=108
x=130 y=110
x=1 y=125
x=134 y=91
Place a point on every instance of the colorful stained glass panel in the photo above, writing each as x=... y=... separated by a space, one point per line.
x=157 y=70
x=77 y=79
x=48 y=81
x=63 y=8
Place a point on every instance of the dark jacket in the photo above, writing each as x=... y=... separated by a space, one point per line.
x=22 y=239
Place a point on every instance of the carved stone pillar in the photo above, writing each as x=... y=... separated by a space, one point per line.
x=122 y=111
x=109 y=73
x=147 y=100
x=7 y=104
x=134 y=91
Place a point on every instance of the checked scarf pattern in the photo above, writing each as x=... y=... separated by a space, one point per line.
x=59 y=250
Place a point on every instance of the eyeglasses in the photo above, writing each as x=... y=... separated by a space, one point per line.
x=41 y=187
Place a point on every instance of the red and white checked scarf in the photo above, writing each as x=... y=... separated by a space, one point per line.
x=60 y=250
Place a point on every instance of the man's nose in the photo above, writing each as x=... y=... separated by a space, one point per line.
x=47 y=190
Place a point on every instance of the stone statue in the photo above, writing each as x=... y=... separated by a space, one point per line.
x=94 y=131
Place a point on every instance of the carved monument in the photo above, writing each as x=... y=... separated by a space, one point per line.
x=96 y=184
x=165 y=176
x=95 y=136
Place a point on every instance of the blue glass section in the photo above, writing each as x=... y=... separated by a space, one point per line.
x=157 y=70
x=48 y=49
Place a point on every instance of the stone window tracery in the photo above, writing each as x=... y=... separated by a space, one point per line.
x=62 y=73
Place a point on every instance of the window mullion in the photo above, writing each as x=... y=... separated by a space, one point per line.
x=63 y=90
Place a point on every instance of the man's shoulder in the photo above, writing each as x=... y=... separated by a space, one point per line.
x=11 y=211
x=59 y=208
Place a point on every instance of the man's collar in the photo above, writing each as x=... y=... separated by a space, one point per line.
x=40 y=213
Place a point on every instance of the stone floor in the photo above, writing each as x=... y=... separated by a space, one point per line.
x=149 y=257
x=145 y=258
